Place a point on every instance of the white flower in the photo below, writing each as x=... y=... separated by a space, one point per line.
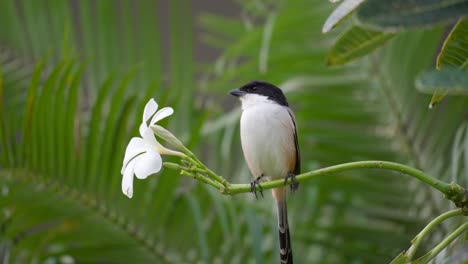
x=143 y=155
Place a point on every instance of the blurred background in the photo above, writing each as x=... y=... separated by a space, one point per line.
x=74 y=79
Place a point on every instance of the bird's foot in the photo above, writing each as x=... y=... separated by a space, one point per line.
x=254 y=184
x=294 y=183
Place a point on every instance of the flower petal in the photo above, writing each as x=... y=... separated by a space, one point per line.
x=127 y=179
x=142 y=128
x=147 y=164
x=151 y=144
x=150 y=109
x=135 y=147
x=163 y=113
x=148 y=137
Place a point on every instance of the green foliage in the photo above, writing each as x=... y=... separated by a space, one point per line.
x=379 y=19
x=454 y=52
x=400 y=259
x=447 y=81
x=355 y=43
x=65 y=122
x=402 y=14
x=375 y=19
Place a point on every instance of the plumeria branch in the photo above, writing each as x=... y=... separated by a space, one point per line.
x=209 y=173
x=195 y=173
x=452 y=191
x=429 y=227
x=436 y=250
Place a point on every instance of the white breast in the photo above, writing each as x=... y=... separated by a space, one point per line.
x=267 y=135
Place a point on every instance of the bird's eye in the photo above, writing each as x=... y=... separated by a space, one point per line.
x=254 y=88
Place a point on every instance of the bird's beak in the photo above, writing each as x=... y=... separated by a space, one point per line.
x=237 y=92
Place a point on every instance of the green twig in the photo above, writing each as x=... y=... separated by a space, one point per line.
x=197 y=176
x=451 y=191
x=433 y=252
x=208 y=172
x=196 y=162
x=419 y=237
x=386 y=165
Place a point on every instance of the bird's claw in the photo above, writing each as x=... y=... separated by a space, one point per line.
x=254 y=184
x=294 y=183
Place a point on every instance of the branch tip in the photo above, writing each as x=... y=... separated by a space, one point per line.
x=459 y=196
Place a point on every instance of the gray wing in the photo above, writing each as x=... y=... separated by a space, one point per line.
x=297 y=168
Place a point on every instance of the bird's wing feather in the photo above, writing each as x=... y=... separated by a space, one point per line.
x=297 y=168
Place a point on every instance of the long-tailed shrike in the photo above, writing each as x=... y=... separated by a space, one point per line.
x=269 y=142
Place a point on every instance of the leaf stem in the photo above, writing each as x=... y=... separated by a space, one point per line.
x=419 y=237
x=195 y=161
x=436 y=250
x=197 y=175
x=208 y=172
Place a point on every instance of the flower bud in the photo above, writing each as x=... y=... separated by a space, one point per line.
x=168 y=137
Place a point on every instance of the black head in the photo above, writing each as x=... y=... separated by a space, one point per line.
x=262 y=88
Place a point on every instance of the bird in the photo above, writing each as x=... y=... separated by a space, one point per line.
x=269 y=140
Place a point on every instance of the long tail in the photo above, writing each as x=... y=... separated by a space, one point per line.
x=286 y=256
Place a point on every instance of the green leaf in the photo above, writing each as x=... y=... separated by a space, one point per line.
x=31 y=100
x=395 y=15
x=340 y=13
x=5 y=148
x=355 y=43
x=40 y=114
x=448 y=80
x=437 y=96
x=194 y=205
x=454 y=52
x=402 y=258
x=70 y=116
x=89 y=164
x=182 y=73
x=59 y=133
